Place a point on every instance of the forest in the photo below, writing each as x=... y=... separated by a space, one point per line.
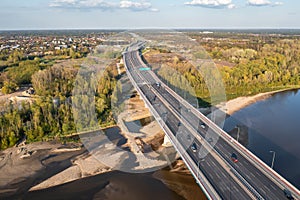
x=50 y=115
x=248 y=65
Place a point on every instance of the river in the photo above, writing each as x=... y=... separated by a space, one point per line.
x=273 y=126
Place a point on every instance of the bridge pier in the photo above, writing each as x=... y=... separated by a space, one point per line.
x=145 y=104
x=167 y=142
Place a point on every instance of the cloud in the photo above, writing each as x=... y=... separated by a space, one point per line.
x=212 y=3
x=103 y=4
x=263 y=3
x=84 y=4
x=135 y=5
x=277 y=3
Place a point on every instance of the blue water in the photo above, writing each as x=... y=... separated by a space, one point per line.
x=274 y=125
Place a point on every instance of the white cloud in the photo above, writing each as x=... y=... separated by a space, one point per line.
x=103 y=4
x=95 y=4
x=83 y=4
x=278 y=3
x=212 y=3
x=231 y=6
x=259 y=2
x=135 y=5
x=263 y=3
x=58 y=3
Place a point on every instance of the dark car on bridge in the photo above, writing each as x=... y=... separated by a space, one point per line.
x=234 y=157
x=194 y=147
x=203 y=125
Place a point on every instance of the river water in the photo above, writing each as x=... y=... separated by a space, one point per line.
x=274 y=125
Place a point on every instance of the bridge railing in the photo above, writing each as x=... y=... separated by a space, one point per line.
x=202 y=181
x=260 y=165
x=267 y=170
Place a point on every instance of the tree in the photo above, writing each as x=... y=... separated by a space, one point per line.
x=9 y=87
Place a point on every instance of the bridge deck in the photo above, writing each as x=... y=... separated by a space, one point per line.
x=244 y=179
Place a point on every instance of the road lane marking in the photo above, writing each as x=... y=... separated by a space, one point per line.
x=246 y=163
x=273 y=187
x=267 y=188
x=258 y=174
x=223 y=174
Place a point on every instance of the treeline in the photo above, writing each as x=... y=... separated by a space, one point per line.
x=250 y=71
x=275 y=66
x=51 y=115
x=17 y=67
x=18 y=75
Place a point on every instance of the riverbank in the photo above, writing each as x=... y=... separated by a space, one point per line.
x=56 y=171
x=36 y=170
x=237 y=104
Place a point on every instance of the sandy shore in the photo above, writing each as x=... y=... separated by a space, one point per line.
x=57 y=171
x=237 y=104
x=51 y=170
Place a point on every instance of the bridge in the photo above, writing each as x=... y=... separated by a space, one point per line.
x=209 y=161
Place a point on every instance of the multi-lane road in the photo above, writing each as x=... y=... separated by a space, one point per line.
x=196 y=135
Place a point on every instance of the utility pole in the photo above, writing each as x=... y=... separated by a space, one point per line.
x=238 y=133
x=273 y=159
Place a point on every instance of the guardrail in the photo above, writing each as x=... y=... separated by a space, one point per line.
x=193 y=130
x=259 y=164
x=203 y=182
x=241 y=149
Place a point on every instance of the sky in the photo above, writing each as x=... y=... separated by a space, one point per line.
x=130 y=14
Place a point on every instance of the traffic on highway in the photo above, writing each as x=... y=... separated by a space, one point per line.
x=229 y=171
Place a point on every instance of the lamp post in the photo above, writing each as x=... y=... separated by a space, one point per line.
x=273 y=159
x=238 y=133
x=198 y=169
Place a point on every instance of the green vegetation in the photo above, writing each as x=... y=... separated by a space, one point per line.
x=39 y=59
x=50 y=115
x=17 y=69
x=246 y=69
x=268 y=67
x=248 y=64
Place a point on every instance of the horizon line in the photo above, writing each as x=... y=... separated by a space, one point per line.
x=157 y=28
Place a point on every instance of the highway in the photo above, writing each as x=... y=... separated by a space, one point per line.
x=245 y=179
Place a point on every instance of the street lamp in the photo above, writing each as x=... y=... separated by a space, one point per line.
x=273 y=159
x=238 y=133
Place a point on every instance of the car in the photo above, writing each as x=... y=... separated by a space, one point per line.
x=154 y=98
x=158 y=84
x=234 y=158
x=194 y=147
x=288 y=194
x=203 y=126
x=179 y=123
x=210 y=140
x=201 y=159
